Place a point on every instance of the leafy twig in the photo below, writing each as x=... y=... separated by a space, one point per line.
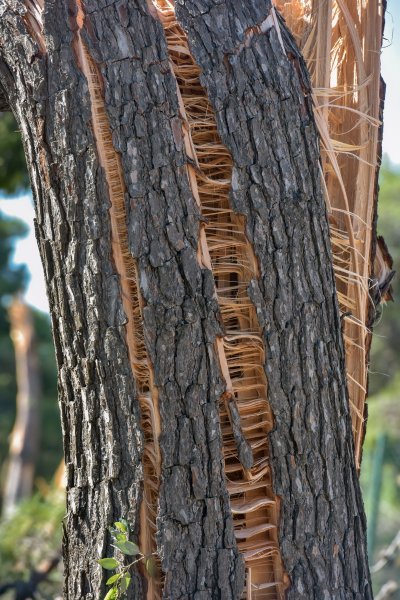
x=121 y=580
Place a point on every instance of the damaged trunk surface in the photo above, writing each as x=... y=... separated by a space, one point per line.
x=179 y=214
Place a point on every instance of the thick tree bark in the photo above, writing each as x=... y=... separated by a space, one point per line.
x=276 y=184
x=67 y=111
x=100 y=418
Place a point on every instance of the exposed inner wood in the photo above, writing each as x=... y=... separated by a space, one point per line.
x=33 y=22
x=245 y=413
x=341 y=42
x=132 y=304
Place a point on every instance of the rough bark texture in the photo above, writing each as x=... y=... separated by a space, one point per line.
x=100 y=418
x=264 y=116
x=266 y=123
x=97 y=392
x=180 y=317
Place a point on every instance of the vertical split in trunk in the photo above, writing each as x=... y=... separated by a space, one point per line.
x=245 y=413
x=33 y=22
x=132 y=304
x=341 y=42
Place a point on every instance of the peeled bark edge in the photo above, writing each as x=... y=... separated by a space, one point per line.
x=322 y=532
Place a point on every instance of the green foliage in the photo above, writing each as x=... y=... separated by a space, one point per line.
x=51 y=437
x=386 y=341
x=121 y=580
x=384 y=379
x=13 y=172
x=110 y=564
x=31 y=535
x=12 y=281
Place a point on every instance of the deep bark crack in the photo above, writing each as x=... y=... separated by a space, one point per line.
x=133 y=304
x=226 y=251
x=34 y=24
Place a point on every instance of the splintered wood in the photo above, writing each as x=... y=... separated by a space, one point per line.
x=132 y=304
x=245 y=413
x=34 y=23
x=341 y=42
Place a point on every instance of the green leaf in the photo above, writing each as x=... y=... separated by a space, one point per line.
x=151 y=567
x=108 y=563
x=125 y=583
x=128 y=548
x=120 y=537
x=121 y=525
x=112 y=594
x=125 y=524
x=113 y=579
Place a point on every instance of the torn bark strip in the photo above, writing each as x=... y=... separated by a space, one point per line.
x=34 y=24
x=133 y=307
x=341 y=42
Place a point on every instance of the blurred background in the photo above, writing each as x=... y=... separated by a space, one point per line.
x=31 y=482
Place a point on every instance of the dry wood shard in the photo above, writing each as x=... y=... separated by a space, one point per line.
x=132 y=304
x=34 y=24
x=341 y=42
x=245 y=414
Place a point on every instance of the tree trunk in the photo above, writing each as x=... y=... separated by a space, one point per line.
x=24 y=439
x=185 y=245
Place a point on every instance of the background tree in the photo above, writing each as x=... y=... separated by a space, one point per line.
x=24 y=438
x=384 y=417
x=13 y=173
x=13 y=279
x=33 y=534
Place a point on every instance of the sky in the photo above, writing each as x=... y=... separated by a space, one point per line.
x=26 y=250
x=391 y=74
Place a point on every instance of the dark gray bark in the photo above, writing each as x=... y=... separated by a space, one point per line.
x=99 y=410
x=100 y=418
x=195 y=533
x=264 y=114
x=266 y=122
